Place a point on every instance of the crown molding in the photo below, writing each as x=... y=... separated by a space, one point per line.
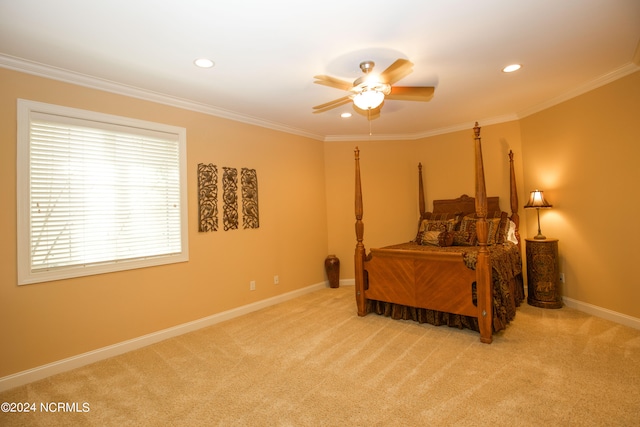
x=41 y=70
x=59 y=74
x=434 y=132
x=607 y=78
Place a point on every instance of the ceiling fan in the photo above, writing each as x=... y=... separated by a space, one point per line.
x=369 y=91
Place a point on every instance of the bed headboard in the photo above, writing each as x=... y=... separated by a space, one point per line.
x=464 y=204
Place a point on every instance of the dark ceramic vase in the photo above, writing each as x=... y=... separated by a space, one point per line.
x=332 y=267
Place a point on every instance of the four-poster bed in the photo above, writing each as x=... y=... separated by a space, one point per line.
x=461 y=270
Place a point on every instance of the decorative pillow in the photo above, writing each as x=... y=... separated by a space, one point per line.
x=445 y=238
x=511 y=233
x=468 y=224
x=464 y=238
x=437 y=222
x=430 y=238
x=422 y=227
x=497 y=226
x=441 y=225
x=437 y=238
x=503 y=228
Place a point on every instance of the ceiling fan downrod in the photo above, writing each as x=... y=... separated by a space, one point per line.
x=367 y=66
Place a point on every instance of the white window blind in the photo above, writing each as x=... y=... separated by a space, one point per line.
x=104 y=194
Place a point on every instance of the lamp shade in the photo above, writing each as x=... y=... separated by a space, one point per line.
x=368 y=99
x=536 y=200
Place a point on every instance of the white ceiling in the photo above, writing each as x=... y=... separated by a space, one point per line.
x=267 y=52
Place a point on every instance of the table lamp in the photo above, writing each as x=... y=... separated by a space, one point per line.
x=537 y=201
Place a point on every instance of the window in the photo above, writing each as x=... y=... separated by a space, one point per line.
x=97 y=193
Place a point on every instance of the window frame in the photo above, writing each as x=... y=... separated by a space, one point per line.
x=25 y=110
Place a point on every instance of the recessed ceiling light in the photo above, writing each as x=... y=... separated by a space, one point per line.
x=345 y=115
x=204 y=63
x=511 y=68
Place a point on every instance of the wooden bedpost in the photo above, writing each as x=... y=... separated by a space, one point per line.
x=483 y=264
x=360 y=253
x=421 y=202
x=513 y=190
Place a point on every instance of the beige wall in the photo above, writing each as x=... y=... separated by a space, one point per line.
x=42 y=323
x=585 y=154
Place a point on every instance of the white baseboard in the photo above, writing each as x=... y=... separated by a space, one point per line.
x=604 y=313
x=44 y=371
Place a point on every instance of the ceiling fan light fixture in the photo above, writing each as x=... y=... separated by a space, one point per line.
x=369 y=91
x=368 y=99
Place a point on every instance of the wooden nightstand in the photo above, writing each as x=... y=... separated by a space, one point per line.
x=543 y=273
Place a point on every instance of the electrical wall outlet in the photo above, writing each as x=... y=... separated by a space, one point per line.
x=252 y=285
x=561 y=277
x=276 y=279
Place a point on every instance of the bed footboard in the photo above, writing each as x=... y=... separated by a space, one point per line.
x=432 y=280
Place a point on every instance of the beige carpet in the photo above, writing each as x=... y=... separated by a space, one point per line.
x=312 y=362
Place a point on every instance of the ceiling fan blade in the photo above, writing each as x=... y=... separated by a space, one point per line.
x=333 y=82
x=410 y=93
x=396 y=71
x=331 y=104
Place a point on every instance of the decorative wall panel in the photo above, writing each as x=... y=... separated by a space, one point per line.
x=249 y=182
x=207 y=197
x=230 y=198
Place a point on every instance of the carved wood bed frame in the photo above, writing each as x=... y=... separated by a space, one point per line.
x=433 y=280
